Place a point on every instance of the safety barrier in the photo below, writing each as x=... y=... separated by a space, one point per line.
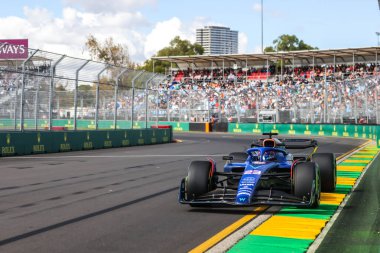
x=335 y=130
x=33 y=142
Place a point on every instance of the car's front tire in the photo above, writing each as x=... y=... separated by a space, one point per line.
x=327 y=167
x=305 y=175
x=198 y=180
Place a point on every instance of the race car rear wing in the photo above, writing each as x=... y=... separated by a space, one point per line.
x=288 y=143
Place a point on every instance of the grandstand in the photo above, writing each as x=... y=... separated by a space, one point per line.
x=329 y=86
x=317 y=86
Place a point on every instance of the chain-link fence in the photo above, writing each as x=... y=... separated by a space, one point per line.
x=50 y=90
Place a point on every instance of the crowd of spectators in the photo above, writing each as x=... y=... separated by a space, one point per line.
x=344 y=92
x=8 y=82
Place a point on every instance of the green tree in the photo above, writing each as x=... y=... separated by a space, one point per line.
x=108 y=52
x=176 y=47
x=288 y=42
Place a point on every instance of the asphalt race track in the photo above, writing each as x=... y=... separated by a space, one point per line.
x=116 y=200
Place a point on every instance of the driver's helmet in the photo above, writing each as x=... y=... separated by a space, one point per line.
x=269 y=156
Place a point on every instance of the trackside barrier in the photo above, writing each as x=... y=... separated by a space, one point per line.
x=33 y=142
x=335 y=130
x=202 y=127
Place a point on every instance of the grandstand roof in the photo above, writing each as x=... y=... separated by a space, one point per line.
x=306 y=57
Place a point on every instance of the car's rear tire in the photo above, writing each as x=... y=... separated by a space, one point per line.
x=327 y=167
x=306 y=174
x=198 y=179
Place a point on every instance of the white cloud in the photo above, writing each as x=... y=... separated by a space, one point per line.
x=37 y=16
x=67 y=34
x=257 y=7
x=108 y=5
x=243 y=43
x=161 y=35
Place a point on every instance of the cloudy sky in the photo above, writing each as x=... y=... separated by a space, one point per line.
x=146 y=26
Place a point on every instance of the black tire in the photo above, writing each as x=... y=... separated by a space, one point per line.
x=198 y=181
x=327 y=167
x=239 y=157
x=304 y=176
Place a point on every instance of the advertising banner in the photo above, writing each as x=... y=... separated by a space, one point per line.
x=14 y=49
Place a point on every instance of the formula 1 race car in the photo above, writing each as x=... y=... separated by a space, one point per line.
x=265 y=174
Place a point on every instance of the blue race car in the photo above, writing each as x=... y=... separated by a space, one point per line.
x=266 y=174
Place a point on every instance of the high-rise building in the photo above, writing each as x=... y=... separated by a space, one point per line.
x=218 y=40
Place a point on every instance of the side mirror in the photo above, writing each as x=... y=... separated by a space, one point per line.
x=228 y=158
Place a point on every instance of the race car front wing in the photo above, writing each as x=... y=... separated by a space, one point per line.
x=226 y=197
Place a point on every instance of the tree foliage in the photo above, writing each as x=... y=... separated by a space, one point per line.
x=176 y=47
x=108 y=52
x=288 y=42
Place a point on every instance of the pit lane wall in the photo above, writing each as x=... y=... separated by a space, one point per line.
x=37 y=142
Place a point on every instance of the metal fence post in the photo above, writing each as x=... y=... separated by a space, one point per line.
x=133 y=93
x=366 y=97
x=325 y=97
x=257 y=108
x=52 y=73
x=377 y=107
x=22 y=103
x=340 y=104
x=97 y=97
x=15 y=103
x=146 y=98
x=115 y=97
x=356 y=110
x=76 y=93
x=36 y=101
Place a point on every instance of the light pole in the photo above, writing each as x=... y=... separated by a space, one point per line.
x=378 y=41
x=262 y=27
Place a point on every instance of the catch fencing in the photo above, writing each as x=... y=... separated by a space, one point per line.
x=46 y=87
x=50 y=90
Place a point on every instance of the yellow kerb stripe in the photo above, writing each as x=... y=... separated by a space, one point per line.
x=291 y=227
x=362 y=156
x=352 y=160
x=332 y=198
x=350 y=168
x=345 y=181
